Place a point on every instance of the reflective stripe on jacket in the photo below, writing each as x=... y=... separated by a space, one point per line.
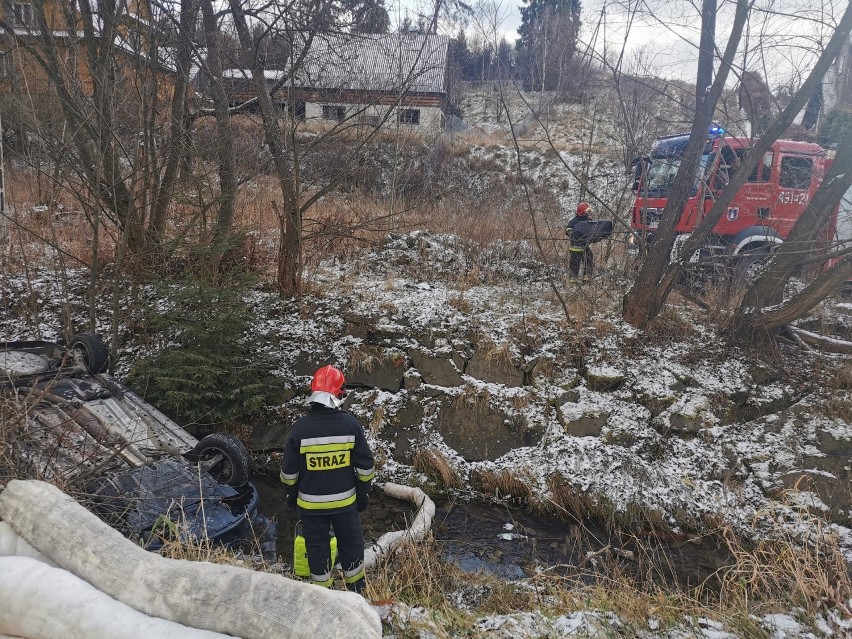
x=327 y=461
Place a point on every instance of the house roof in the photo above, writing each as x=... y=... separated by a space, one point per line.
x=371 y=62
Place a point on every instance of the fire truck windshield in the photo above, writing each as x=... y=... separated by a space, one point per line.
x=662 y=166
x=662 y=171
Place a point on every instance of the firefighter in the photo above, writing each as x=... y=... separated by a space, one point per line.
x=581 y=254
x=327 y=468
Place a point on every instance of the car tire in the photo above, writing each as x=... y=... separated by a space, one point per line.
x=93 y=349
x=235 y=463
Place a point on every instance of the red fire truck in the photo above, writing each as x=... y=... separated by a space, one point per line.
x=764 y=209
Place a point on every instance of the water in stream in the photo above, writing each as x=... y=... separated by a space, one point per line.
x=513 y=544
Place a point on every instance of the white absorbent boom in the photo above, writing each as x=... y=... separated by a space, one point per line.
x=220 y=599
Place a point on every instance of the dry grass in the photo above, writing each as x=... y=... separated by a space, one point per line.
x=362 y=359
x=841 y=379
x=567 y=503
x=780 y=575
x=759 y=580
x=13 y=439
x=433 y=464
x=377 y=420
x=414 y=572
x=504 y=485
x=671 y=325
x=838 y=406
x=473 y=399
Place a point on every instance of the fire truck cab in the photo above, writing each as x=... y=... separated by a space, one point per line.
x=764 y=209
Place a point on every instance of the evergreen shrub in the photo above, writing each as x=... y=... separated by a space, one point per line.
x=204 y=368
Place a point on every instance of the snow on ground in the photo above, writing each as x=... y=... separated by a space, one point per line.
x=715 y=466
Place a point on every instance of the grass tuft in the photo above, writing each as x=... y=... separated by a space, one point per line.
x=433 y=464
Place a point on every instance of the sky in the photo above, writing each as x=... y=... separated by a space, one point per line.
x=660 y=37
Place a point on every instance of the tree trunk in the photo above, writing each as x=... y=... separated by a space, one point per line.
x=224 y=137
x=290 y=251
x=773 y=318
x=177 y=146
x=648 y=295
x=290 y=219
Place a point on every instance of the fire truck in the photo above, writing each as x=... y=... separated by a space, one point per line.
x=761 y=214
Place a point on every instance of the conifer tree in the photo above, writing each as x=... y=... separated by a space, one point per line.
x=547 y=43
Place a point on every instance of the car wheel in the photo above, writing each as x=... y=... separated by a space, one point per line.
x=93 y=350
x=225 y=457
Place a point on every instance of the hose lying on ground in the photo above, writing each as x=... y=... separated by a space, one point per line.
x=225 y=599
x=385 y=544
x=41 y=602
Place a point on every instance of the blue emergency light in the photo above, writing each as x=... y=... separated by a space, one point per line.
x=715 y=129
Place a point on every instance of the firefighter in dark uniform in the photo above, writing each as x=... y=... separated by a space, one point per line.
x=327 y=468
x=581 y=254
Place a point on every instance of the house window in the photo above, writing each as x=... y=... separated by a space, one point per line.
x=409 y=116
x=299 y=110
x=333 y=112
x=795 y=172
x=22 y=14
x=134 y=39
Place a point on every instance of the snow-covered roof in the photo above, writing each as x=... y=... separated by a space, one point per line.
x=370 y=62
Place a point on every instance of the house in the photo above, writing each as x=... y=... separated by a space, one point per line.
x=23 y=43
x=395 y=79
x=838 y=81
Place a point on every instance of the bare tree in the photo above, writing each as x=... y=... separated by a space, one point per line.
x=658 y=276
x=763 y=309
x=312 y=23
x=100 y=61
x=645 y=300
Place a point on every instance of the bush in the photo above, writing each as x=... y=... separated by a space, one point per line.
x=204 y=369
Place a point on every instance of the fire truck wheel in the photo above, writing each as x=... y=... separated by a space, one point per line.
x=751 y=263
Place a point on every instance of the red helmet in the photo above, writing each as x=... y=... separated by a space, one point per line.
x=583 y=208
x=328 y=379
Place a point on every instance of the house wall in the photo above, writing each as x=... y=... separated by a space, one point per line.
x=413 y=118
x=837 y=85
x=21 y=74
x=369 y=106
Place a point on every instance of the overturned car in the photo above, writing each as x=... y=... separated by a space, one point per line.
x=82 y=429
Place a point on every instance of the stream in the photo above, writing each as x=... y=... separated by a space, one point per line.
x=513 y=544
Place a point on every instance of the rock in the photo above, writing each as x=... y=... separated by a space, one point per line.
x=373 y=331
x=377 y=367
x=656 y=403
x=478 y=432
x=307 y=363
x=763 y=373
x=412 y=380
x=494 y=369
x=688 y=415
x=403 y=429
x=833 y=443
x=437 y=371
x=581 y=421
x=830 y=478
x=604 y=378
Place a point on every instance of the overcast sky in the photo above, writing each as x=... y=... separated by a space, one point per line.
x=660 y=37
